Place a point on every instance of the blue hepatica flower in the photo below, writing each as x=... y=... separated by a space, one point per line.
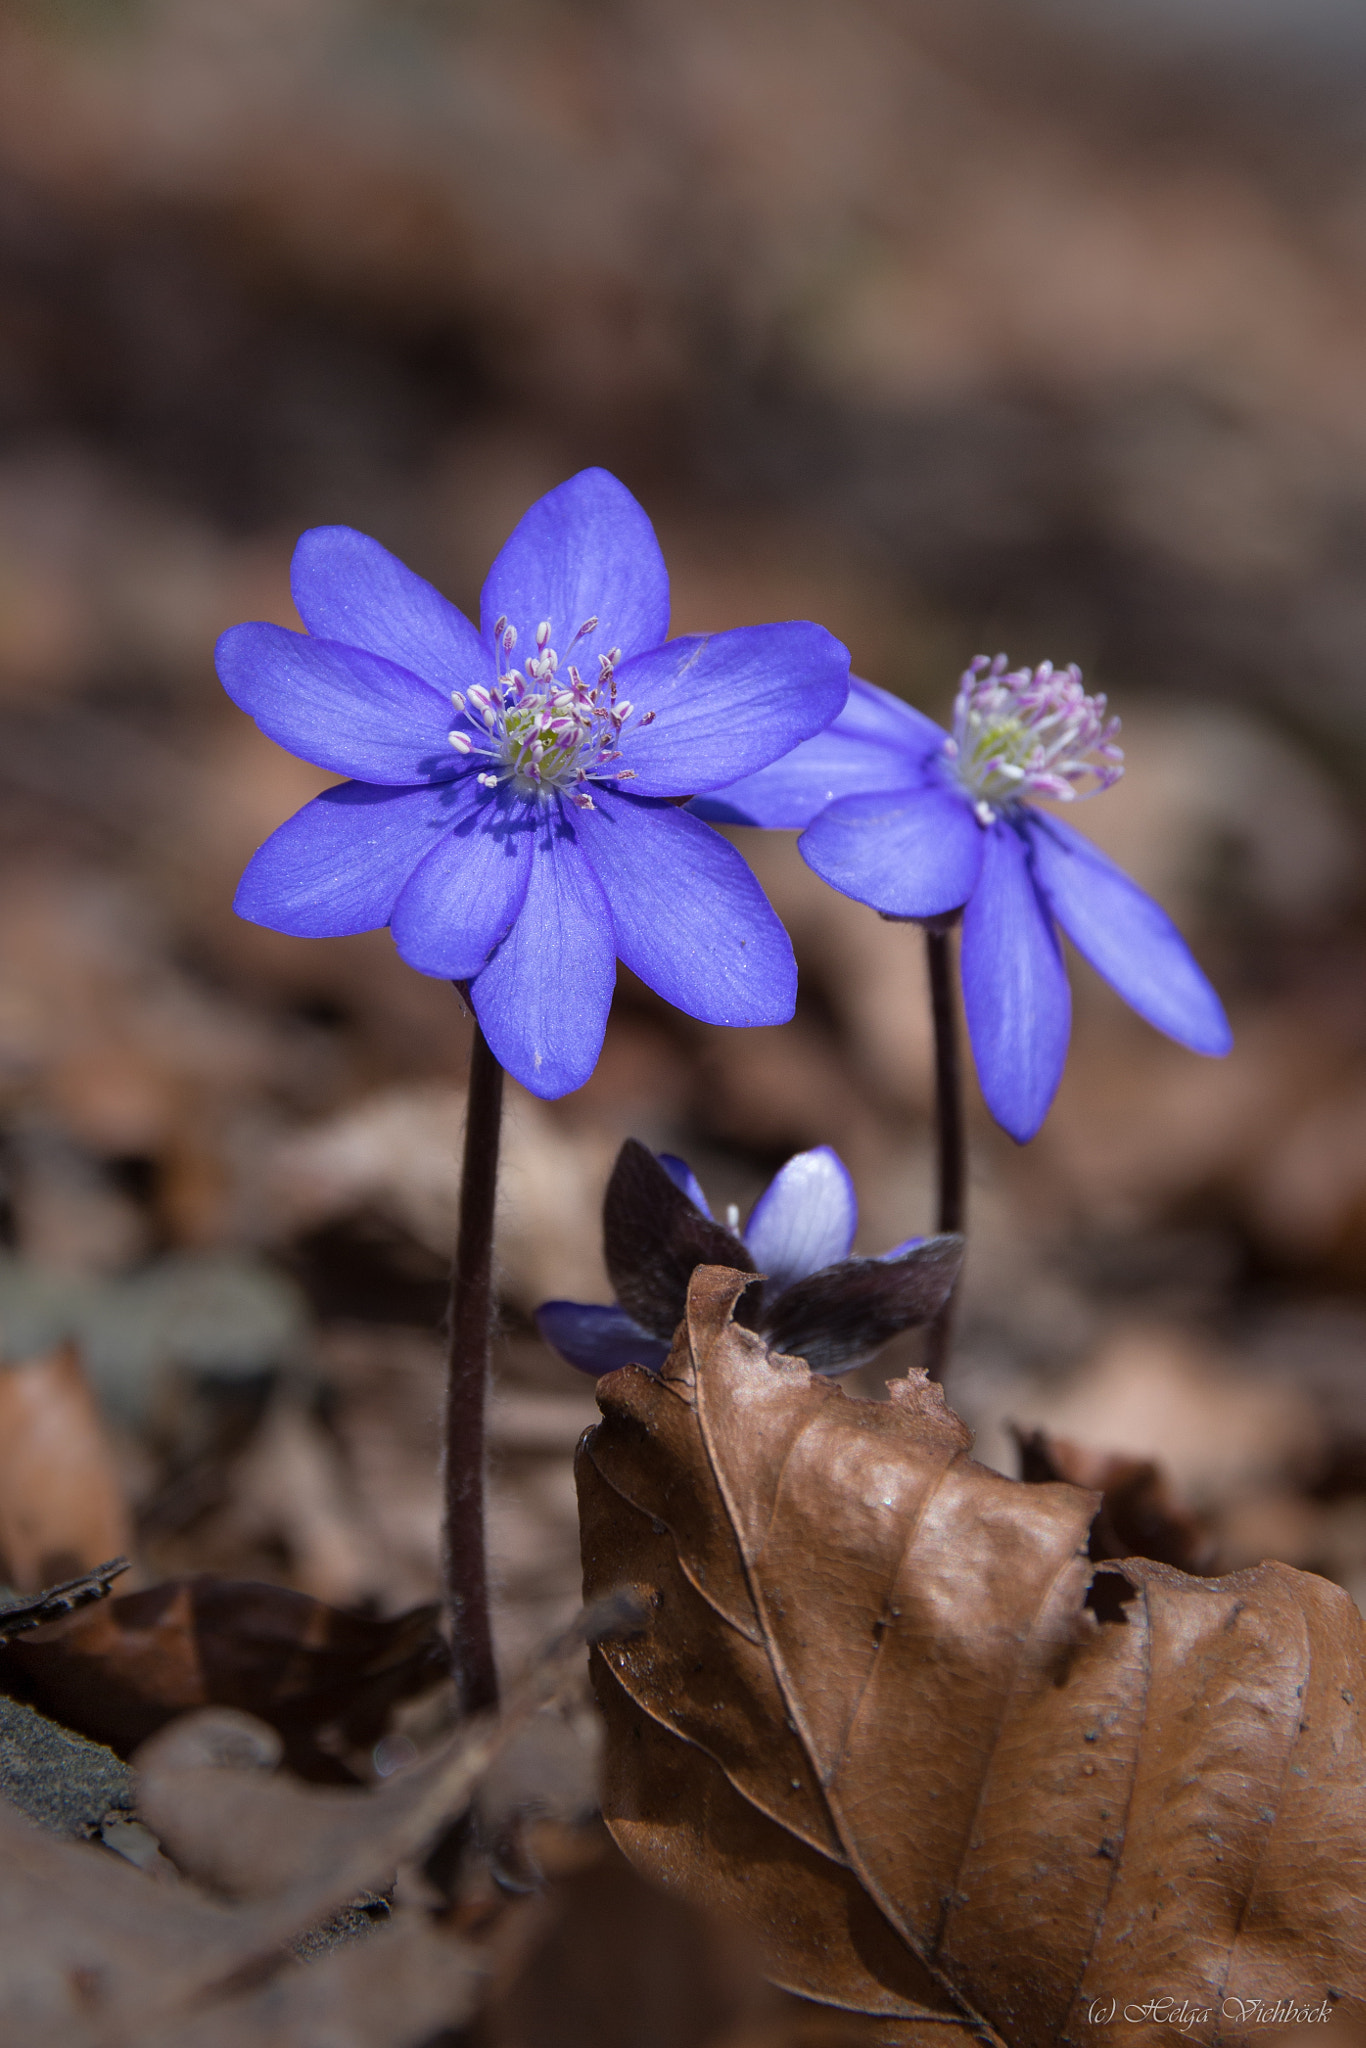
x=517 y=827
x=812 y=1300
x=919 y=823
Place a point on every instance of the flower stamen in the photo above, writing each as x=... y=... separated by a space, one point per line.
x=1029 y=733
x=544 y=733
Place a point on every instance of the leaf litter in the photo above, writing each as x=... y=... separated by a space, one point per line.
x=877 y=1717
x=98 y=1954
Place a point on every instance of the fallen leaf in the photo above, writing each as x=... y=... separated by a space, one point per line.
x=290 y=1493
x=317 y=1674
x=95 y=1954
x=21 y=1617
x=604 y=1959
x=402 y=1986
x=877 y=1716
x=205 y=1786
x=1139 y=1514
x=62 y=1507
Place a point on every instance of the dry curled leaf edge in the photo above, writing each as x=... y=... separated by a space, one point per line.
x=836 y=1726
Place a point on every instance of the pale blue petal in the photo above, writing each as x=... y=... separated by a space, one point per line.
x=463 y=897
x=689 y=917
x=682 y=1176
x=347 y=587
x=337 y=866
x=1125 y=935
x=349 y=711
x=877 y=742
x=598 y=1340
x=909 y=853
x=725 y=704
x=543 y=998
x=804 y=1220
x=585 y=550
x=1015 y=992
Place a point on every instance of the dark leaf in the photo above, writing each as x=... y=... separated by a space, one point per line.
x=1139 y=1515
x=206 y=1787
x=873 y=1716
x=122 y=1671
x=654 y=1237
x=837 y=1318
x=18 y=1617
x=605 y=1960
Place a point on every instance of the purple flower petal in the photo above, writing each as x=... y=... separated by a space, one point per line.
x=585 y=550
x=682 y=1176
x=842 y=1315
x=724 y=704
x=688 y=915
x=1015 y=992
x=463 y=897
x=804 y=1219
x=346 y=710
x=654 y=1238
x=1125 y=935
x=597 y=1339
x=899 y=1251
x=347 y=587
x=543 y=998
x=337 y=866
x=907 y=852
x=877 y=742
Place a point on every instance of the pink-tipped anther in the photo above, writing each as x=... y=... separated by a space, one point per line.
x=1029 y=732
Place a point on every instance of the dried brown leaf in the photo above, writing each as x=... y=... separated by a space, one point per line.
x=874 y=1717
x=604 y=1959
x=121 y=1671
x=87 y=1941
x=204 y=1786
x=94 y=1954
x=397 y=1988
x=62 y=1505
x=51 y=1603
x=1139 y=1513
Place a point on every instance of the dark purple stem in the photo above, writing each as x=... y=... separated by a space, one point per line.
x=949 y=1127
x=471 y=1345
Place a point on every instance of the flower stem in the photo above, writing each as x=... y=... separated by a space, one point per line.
x=949 y=1127
x=471 y=1344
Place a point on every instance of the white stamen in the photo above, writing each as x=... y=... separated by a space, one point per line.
x=549 y=732
x=1029 y=733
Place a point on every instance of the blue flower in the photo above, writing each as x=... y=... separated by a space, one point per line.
x=517 y=827
x=919 y=823
x=812 y=1300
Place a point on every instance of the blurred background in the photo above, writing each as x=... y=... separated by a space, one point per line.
x=955 y=324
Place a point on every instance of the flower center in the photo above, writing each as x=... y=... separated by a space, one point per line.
x=1029 y=732
x=545 y=734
